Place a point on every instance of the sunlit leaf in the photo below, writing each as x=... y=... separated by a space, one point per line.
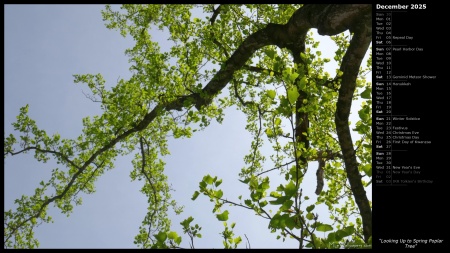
x=271 y=93
x=218 y=194
x=161 y=236
x=172 y=235
x=324 y=228
x=367 y=169
x=290 y=189
x=292 y=94
x=302 y=83
x=208 y=179
x=223 y=216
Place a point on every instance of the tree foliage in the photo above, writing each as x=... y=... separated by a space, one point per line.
x=274 y=73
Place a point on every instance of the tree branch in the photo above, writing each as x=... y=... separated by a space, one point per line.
x=56 y=153
x=350 y=68
x=141 y=142
x=215 y=14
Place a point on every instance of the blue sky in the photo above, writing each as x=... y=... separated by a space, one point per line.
x=44 y=46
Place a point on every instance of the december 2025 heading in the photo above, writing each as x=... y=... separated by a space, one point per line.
x=401 y=6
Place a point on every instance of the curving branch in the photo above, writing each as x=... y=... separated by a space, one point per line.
x=350 y=67
x=56 y=153
x=283 y=36
x=149 y=179
x=215 y=14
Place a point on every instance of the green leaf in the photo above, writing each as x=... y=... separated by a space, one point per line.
x=185 y=223
x=339 y=235
x=276 y=66
x=218 y=194
x=256 y=196
x=331 y=237
x=284 y=108
x=269 y=132
x=363 y=115
x=324 y=228
x=196 y=193
x=245 y=181
x=218 y=182
x=303 y=56
x=237 y=240
x=178 y=240
x=270 y=53
x=264 y=185
x=208 y=179
x=271 y=93
x=277 y=121
x=161 y=236
x=367 y=93
x=349 y=230
x=292 y=94
x=302 y=83
x=283 y=220
x=293 y=76
x=310 y=208
x=263 y=203
x=290 y=189
x=275 y=221
x=290 y=222
x=223 y=216
x=309 y=216
x=367 y=169
x=367 y=146
x=253 y=182
x=287 y=205
x=172 y=235
x=279 y=200
x=275 y=194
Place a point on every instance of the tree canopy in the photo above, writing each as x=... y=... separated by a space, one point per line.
x=260 y=59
